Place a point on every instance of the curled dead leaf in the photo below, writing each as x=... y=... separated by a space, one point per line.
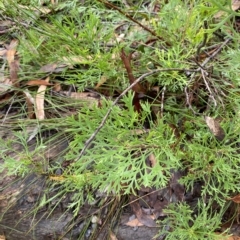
x=215 y=128
x=235 y=199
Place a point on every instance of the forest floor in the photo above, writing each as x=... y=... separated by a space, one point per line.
x=119 y=119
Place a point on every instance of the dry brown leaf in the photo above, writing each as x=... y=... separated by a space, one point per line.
x=215 y=128
x=235 y=199
x=12 y=62
x=233 y=237
x=112 y=236
x=142 y=217
x=3 y=52
x=152 y=159
x=134 y=223
x=67 y=62
x=90 y=98
x=72 y=60
x=53 y=68
x=30 y=104
x=235 y=5
x=57 y=87
x=43 y=10
x=40 y=114
x=2 y=237
x=101 y=82
x=14 y=67
x=5 y=23
x=38 y=82
x=11 y=50
x=13 y=44
x=120 y=37
x=48 y=68
x=139 y=131
x=178 y=189
x=5 y=84
x=56 y=178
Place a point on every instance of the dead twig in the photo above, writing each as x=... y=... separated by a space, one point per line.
x=201 y=68
x=137 y=88
x=110 y=5
x=188 y=101
x=6 y=114
x=214 y=53
x=162 y=102
x=208 y=88
x=92 y=137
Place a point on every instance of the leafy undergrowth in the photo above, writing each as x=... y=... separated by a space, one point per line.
x=170 y=141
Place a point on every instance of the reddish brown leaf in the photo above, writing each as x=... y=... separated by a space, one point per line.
x=235 y=199
x=38 y=83
x=137 y=88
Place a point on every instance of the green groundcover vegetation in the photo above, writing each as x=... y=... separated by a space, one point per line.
x=191 y=48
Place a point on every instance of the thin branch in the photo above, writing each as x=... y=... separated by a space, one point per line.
x=6 y=114
x=126 y=61
x=93 y=136
x=214 y=53
x=202 y=67
x=209 y=89
x=162 y=103
x=134 y=20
